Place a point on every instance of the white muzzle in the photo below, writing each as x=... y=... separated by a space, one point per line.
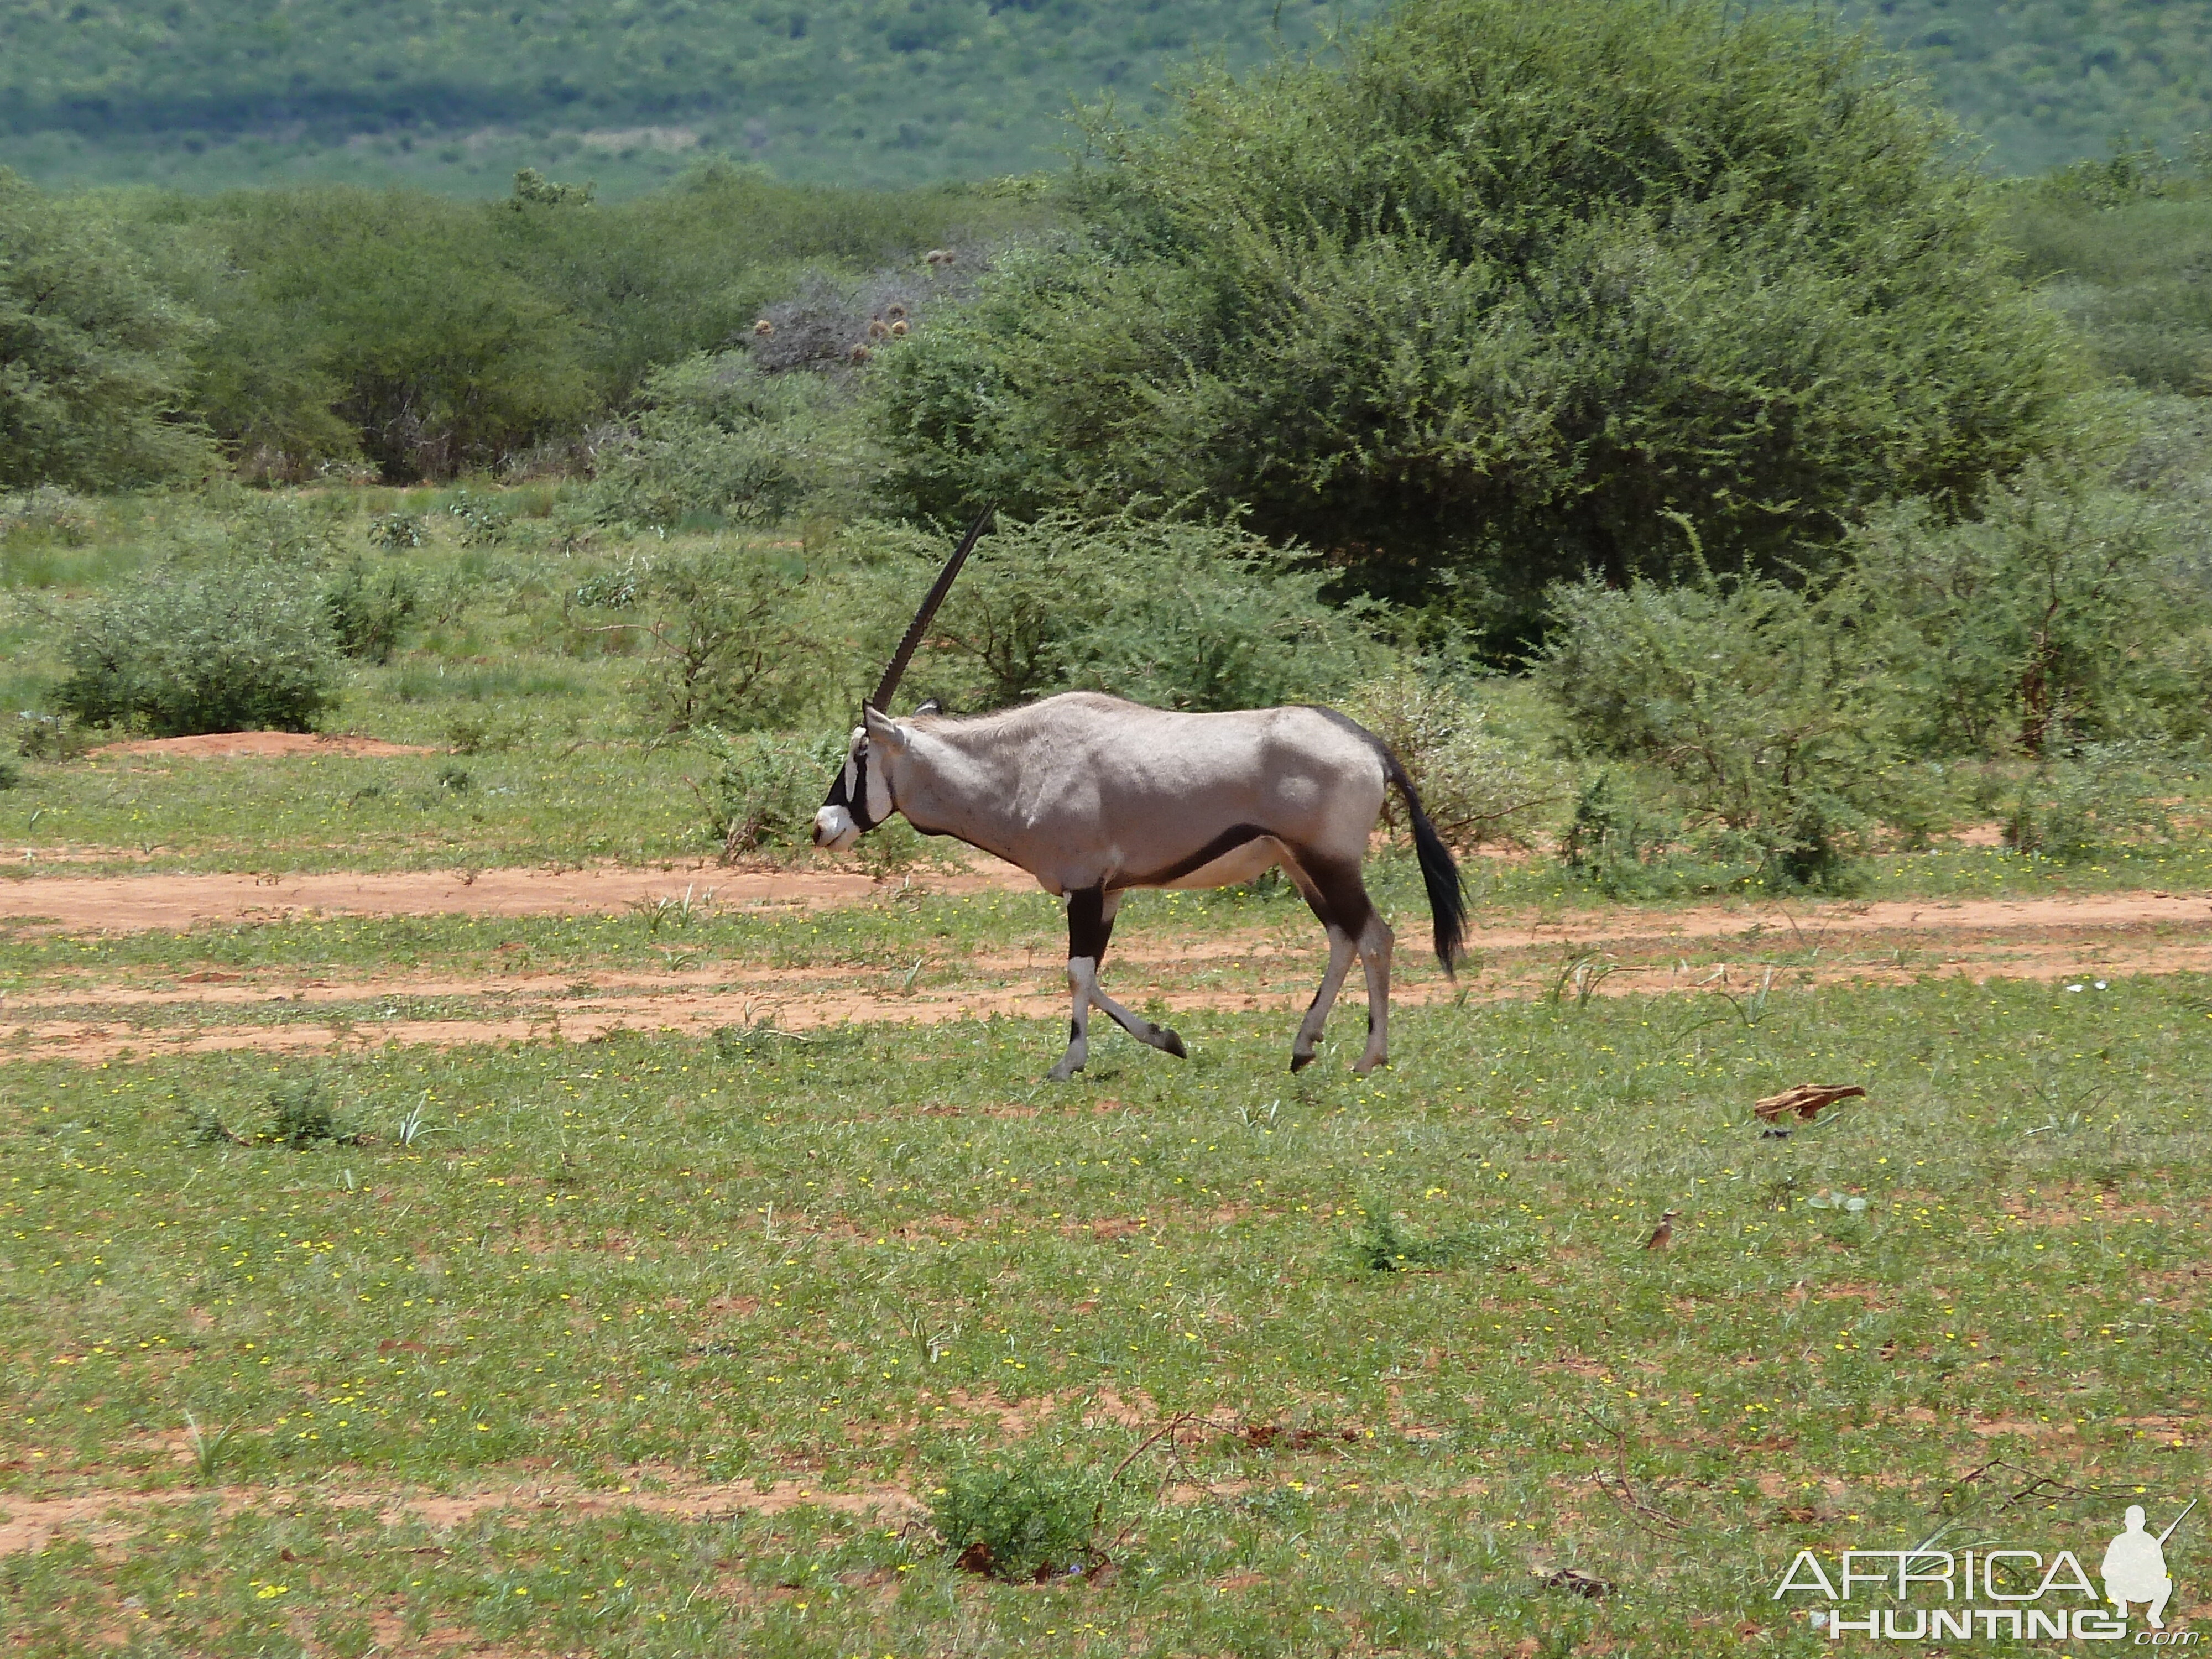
x=834 y=829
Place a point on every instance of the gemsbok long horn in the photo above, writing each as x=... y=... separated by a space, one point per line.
x=882 y=701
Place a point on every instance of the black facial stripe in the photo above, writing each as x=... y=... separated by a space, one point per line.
x=857 y=802
x=859 y=806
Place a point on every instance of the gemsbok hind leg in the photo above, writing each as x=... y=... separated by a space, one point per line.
x=1374 y=947
x=1339 y=899
x=1090 y=925
x=1342 y=949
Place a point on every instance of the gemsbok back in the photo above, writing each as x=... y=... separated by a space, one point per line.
x=1094 y=796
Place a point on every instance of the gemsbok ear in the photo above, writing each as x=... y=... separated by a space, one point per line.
x=930 y=706
x=884 y=733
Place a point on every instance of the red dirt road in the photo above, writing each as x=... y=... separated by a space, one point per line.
x=124 y=904
x=1698 y=950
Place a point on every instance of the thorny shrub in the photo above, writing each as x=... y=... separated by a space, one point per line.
x=1020 y=1519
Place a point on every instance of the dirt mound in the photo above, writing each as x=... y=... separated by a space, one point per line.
x=229 y=745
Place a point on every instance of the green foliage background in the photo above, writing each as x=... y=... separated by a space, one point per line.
x=409 y=334
x=455 y=95
x=1505 y=297
x=1375 y=355
x=95 y=358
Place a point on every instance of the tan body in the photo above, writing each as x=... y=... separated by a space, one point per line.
x=1087 y=791
x=1094 y=796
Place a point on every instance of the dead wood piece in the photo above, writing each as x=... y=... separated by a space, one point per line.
x=1578 y=1583
x=1806 y=1100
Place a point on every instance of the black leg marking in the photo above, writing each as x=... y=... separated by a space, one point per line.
x=1345 y=897
x=1088 y=929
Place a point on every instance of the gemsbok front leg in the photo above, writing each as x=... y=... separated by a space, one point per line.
x=1090 y=926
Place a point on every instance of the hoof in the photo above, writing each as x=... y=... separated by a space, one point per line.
x=1300 y=1062
x=1367 y=1066
x=1064 y=1070
x=1168 y=1043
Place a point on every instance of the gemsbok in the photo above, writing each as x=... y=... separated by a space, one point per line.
x=1094 y=796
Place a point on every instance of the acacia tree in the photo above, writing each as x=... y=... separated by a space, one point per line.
x=93 y=359
x=383 y=326
x=1508 y=293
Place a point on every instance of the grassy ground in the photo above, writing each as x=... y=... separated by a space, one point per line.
x=859 y=1263
x=660 y=1346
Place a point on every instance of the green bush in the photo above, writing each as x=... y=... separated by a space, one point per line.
x=1762 y=717
x=1379 y=1243
x=237 y=649
x=718 y=442
x=2068 y=610
x=478 y=520
x=2087 y=803
x=1175 y=615
x=300 y=1116
x=41 y=736
x=1018 y=1519
x=396 y=529
x=1504 y=293
x=95 y=371
x=763 y=793
x=1614 y=840
x=369 y=610
x=729 y=639
x=1475 y=785
x=353 y=324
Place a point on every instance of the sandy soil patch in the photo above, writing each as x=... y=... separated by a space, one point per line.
x=30 y=1523
x=132 y=904
x=258 y=746
x=122 y=904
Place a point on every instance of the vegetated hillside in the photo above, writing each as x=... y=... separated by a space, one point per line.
x=455 y=95
x=458 y=93
x=2048 y=81
x=2130 y=274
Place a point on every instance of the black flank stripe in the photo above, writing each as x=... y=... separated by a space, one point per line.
x=1227 y=841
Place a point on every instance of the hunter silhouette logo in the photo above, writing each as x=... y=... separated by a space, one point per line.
x=2135 y=1567
x=2022 y=1595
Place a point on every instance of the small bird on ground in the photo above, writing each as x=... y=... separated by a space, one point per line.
x=1663 y=1234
